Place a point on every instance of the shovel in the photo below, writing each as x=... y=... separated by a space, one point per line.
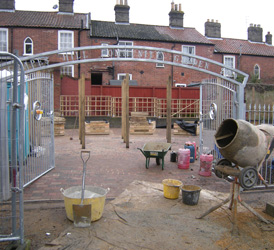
x=82 y=213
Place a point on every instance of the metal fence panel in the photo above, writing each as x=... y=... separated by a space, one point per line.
x=263 y=114
x=12 y=88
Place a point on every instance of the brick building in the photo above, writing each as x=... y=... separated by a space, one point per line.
x=33 y=32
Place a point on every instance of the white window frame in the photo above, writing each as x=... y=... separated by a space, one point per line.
x=227 y=72
x=126 y=53
x=122 y=76
x=25 y=45
x=258 y=69
x=60 y=47
x=189 y=49
x=160 y=57
x=4 y=41
x=65 y=70
x=104 y=52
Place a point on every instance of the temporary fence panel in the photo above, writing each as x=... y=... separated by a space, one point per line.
x=13 y=150
x=263 y=114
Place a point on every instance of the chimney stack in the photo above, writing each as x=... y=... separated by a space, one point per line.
x=212 y=29
x=7 y=5
x=122 y=12
x=176 y=16
x=255 y=33
x=66 y=6
x=268 y=38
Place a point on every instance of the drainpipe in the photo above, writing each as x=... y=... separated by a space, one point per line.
x=79 y=44
x=239 y=57
x=11 y=38
x=117 y=42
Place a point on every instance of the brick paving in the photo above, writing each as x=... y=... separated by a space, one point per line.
x=113 y=166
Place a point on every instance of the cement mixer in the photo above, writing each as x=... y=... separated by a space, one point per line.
x=244 y=147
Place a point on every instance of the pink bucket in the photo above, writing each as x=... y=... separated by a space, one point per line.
x=205 y=165
x=183 y=158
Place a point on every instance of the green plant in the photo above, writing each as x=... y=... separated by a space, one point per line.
x=255 y=79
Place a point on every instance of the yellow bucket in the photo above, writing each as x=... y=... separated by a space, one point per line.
x=95 y=196
x=172 y=188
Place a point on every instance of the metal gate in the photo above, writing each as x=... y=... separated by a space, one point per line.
x=39 y=127
x=219 y=100
x=26 y=138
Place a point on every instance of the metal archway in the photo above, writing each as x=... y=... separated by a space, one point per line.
x=220 y=97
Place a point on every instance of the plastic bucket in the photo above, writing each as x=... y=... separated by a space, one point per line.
x=205 y=165
x=183 y=158
x=190 y=194
x=172 y=188
x=95 y=196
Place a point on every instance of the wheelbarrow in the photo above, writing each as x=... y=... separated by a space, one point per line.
x=244 y=147
x=156 y=150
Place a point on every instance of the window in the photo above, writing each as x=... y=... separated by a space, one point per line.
x=188 y=50
x=126 y=53
x=229 y=61
x=160 y=57
x=67 y=71
x=122 y=76
x=65 y=40
x=257 y=71
x=28 y=46
x=4 y=40
x=104 y=52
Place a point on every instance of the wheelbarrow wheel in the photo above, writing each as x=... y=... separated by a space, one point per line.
x=158 y=161
x=222 y=162
x=248 y=177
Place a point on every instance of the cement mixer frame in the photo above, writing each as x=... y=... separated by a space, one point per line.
x=245 y=148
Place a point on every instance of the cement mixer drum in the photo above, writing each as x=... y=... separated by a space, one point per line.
x=242 y=143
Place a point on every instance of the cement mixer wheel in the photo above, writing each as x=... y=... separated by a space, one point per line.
x=248 y=177
x=225 y=162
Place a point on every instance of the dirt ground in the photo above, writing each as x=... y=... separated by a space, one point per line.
x=147 y=220
x=141 y=218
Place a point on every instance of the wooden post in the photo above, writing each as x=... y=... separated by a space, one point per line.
x=168 y=111
x=123 y=110
x=127 y=110
x=80 y=111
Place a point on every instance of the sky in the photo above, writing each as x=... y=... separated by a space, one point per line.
x=235 y=16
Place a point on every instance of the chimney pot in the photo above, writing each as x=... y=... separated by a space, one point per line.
x=172 y=5
x=180 y=7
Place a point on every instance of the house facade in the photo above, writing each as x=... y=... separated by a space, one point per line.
x=33 y=32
